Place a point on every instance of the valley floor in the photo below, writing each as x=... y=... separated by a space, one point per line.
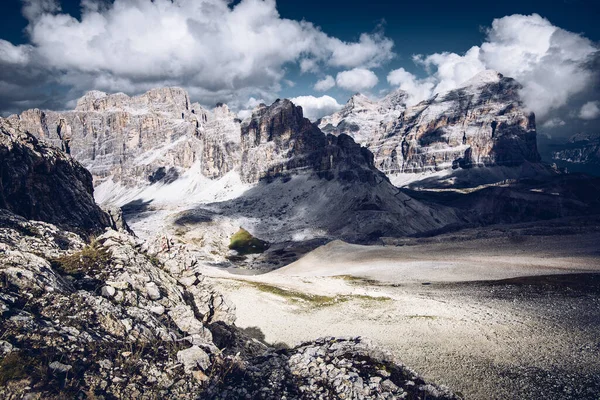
x=452 y=310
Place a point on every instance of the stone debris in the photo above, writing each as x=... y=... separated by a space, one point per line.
x=127 y=328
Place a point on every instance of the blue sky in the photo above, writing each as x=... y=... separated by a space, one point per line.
x=52 y=51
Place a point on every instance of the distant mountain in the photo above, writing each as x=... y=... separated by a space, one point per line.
x=580 y=149
x=177 y=167
x=482 y=123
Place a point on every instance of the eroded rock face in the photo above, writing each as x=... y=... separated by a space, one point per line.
x=139 y=140
x=481 y=123
x=279 y=141
x=39 y=182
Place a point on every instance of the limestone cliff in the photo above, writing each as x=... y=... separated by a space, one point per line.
x=139 y=140
x=481 y=123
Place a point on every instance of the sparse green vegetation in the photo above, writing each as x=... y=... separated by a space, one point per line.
x=244 y=243
x=13 y=367
x=92 y=258
x=359 y=280
x=16 y=366
x=313 y=300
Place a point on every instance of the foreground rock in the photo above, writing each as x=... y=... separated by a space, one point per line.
x=105 y=320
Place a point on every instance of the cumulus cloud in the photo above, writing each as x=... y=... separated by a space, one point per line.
x=317 y=107
x=325 y=84
x=548 y=61
x=216 y=50
x=356 y=79
x=590 y=110
x=554 y=123
x=418 y=90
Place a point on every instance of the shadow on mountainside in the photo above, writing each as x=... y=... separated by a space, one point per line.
x=525 y=200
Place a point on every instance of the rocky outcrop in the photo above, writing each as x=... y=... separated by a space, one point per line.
x=278 y=141
x=322 y=186
x=107 y=320
x=140 y=140
x=481 y=123
x=580 y=149
x=39 y=182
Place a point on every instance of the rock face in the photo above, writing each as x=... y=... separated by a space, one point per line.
x=322 y=186
x=39 y=182
x=580 y=149
x=279 y=141
x=481 y=123
x=139 y=140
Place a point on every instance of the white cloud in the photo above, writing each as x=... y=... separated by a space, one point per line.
x=554 y=123
x=548 y=61
x=418 y=90
x=317 y=107
x=32 y=9
x=369 y=51
x=356 y=79
x=325 y=84
x=212 y=48
x=590 y=110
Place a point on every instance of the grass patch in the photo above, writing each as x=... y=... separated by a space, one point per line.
x=313 y=300
x=16 y=366
x=244 y=243
x=357 y=280
x=92 y=258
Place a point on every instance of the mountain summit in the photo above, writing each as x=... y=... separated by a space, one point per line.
x=482 y=123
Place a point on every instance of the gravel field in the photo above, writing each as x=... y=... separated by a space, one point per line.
x=458 y=317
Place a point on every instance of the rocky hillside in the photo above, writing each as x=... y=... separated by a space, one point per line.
x=310 y=186
x=41 y=183
x=481 y=123
x=117 y=317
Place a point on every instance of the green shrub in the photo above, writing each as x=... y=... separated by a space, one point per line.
x=244 y=243
x=92 y=258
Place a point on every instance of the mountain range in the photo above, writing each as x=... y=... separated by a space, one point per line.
x=110 y=299
x=370 y=171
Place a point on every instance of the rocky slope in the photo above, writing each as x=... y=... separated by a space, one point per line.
x=310 y=187
x=121 y=318
x=39 y=182
x=481 y=123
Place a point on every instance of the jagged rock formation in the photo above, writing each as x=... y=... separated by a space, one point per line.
x=39 y=182
x=313 y=185
x=278 y=141
x=481 y=123
x=139 y=140
x=580 y=149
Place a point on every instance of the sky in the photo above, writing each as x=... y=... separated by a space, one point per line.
x=318 y=53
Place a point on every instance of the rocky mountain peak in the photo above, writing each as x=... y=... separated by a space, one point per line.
x=395 y=100
x=171 y=100
x=483 y=78
x=482 y=123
